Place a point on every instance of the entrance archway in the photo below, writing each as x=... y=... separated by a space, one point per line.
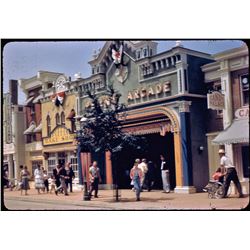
x=169 y=113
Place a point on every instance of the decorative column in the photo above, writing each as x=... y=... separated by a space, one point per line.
x=109 y=179
x=181 y=66
x=186 y=149
x=226 y=88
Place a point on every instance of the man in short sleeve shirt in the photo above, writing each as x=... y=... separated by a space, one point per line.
x=230 y=173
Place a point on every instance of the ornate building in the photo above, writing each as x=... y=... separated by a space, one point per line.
x=13 y=127
x=228 y=117
x=166 y=99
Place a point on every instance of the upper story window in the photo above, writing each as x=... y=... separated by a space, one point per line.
x=57 y=119
x=62 y=118
x=244 y=83
x=138 y=54
x=145 y=52
x=48 y=125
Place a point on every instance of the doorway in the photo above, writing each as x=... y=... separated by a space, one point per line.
x=155 y=146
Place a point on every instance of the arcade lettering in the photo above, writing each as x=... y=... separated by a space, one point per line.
x=149 y=91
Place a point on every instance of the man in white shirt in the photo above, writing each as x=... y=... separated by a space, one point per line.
x=165 y=175
x=230 y=173
x=144 y=168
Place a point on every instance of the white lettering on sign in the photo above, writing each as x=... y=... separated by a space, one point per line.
x=215 y=101
x=242 y=113
x=149 y=91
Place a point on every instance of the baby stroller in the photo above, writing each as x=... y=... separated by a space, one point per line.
x=215 y=188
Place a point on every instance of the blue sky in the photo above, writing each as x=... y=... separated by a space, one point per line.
x=25 y=59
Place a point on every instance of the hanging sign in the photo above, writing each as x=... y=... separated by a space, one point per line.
x=215 y=101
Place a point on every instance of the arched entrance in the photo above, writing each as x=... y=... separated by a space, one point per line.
x=151 y=123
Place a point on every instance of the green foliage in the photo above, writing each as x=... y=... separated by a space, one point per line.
x=102 y=129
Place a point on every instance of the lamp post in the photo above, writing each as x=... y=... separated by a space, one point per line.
x=80 y=137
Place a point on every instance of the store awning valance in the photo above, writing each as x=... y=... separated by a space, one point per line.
x=38 y=128
x=71 y=114
x=237 y=132
x=36 y=100
x=30 y=129
x=28 y=101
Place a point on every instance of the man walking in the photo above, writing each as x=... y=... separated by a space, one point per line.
x=70 y=176
x=230 y=173
x=165 y=175
x=63 y=175
x=95 y=178
x=144 y=169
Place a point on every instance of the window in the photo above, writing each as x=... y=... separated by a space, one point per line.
x=138 y=54
x=57 y=119
x=144 y=52
x=51 y=163
x=34 y=166
x=244 y=82
x=20 y=109
x=73 y=126
x=62 y=118
x=73 y=162
x=48 y=125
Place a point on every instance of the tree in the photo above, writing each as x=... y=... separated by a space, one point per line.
x=102 y=127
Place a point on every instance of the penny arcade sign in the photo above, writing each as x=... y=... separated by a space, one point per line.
x=149 y=91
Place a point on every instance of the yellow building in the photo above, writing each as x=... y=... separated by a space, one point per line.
x=58 y=130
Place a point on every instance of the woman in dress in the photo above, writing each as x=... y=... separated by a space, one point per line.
x=39 y=182
x=136 y=175
x=25 y=180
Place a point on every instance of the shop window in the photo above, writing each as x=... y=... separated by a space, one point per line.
x=73 y=162
x=48 y=125
x=57 y=119
x=62 y=118
x=244 y=82
x=51 y=163
x=34 y=166
x=245 y=161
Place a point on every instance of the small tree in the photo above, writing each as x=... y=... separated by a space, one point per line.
x=102 y=129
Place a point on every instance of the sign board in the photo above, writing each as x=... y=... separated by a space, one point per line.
x=8 y=149
x=215 y=101
x=242 y=113
x=59 y=135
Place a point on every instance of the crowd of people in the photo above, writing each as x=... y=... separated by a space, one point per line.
x=143 y=175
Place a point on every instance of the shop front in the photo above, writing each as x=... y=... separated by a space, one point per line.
x=166 y=105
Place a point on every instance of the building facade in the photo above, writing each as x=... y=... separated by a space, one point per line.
x=13 y=127
x=228 y=117
x=166 y=101
x=58 y=104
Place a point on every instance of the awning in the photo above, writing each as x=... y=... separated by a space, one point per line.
x=30 y=129
x=71 y=114
x=28 y=101
x=237 y=132
x=37 y=99
x=38 y=128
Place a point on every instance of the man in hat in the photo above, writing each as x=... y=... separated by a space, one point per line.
x=230 y=173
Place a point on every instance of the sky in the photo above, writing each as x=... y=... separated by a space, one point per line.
x=25 y=59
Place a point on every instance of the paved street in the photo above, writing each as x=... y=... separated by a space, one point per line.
x=155 y=200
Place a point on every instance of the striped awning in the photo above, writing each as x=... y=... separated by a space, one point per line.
x=38 y=128
x=28 y=101
x=30 y=129
x=237 y=132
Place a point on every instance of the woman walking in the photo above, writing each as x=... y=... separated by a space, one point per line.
x=25 y=180
x=39 y=183
x=136 y=176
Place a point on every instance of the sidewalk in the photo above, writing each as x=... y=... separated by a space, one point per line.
x=154 y=200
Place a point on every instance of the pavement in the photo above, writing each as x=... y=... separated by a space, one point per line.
x=154 y=200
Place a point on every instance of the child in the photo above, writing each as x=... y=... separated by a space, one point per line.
x=52 y=183
x=218 y=175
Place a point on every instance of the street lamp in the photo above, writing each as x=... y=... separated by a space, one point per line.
x=80 y=138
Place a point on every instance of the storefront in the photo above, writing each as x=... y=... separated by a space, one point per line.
x=58 y=130
x=227 y=80
x=166 y=104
